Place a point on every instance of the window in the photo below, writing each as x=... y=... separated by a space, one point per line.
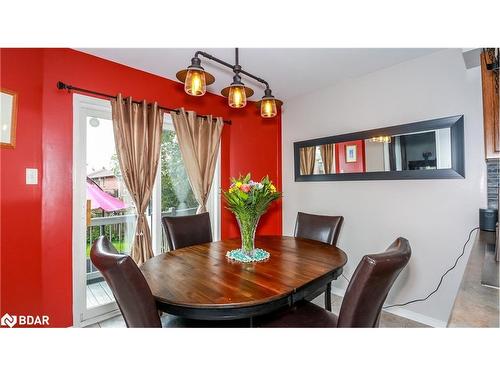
x=318 y=165
x=172 y=195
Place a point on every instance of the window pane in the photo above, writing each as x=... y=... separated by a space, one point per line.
x=112 y=211
x=177 y=198
x=176 y=194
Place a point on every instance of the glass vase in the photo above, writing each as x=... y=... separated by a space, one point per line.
x=248 y=227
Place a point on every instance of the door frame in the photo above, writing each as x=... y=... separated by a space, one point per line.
x=82 y=106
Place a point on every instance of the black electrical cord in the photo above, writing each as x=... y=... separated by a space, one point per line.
x=440 y=280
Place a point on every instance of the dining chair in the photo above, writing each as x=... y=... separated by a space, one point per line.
x=133 y=295
x=324 y=229
x=183 y=231
x=126 y=281
x=363 y=300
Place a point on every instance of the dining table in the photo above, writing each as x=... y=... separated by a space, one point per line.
x=200 y=282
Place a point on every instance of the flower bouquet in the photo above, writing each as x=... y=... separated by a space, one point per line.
x=248 y=201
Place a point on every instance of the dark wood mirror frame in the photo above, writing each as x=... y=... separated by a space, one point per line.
x=457 y=170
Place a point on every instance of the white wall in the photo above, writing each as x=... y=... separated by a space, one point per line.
x=434 y=215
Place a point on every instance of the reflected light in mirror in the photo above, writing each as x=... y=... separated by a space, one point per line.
x=382 y=139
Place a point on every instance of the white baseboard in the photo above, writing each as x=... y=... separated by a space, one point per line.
x=404 y=313
x=424 y=319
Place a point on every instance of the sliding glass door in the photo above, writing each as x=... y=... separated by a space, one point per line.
x=103 y=206
x=172 y=195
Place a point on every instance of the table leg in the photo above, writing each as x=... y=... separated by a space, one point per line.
x=328 y=297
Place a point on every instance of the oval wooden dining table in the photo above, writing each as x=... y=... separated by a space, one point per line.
x=200 y=282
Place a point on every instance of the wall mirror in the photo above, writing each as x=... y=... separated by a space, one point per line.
x=428 y=149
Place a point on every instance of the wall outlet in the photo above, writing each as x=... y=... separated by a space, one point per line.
x=31 y=176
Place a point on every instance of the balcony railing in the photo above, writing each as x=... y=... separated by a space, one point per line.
x=120 y=230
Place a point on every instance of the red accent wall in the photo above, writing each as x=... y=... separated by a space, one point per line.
x=20 y=204
x=36 y=221
x=342 y=165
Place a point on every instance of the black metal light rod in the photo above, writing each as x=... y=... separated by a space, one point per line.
x=64 y=86
x=232 y=67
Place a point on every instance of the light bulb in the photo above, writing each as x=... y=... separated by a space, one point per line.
x=268 y=108
x=195 y=83
x=237 y=97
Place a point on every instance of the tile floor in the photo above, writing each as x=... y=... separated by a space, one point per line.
x=476 y=305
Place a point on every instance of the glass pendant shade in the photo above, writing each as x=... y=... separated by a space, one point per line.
x=237 y=97
x=195 y=83
x=268 y=108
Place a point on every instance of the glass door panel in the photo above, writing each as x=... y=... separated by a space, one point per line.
x=112 y=212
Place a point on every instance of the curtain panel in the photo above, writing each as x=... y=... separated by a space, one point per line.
x=307 y=160
x=199 y=140
x=328 y=155
x=137 y=129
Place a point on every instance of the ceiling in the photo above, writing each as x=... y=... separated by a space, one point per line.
x=290 y=72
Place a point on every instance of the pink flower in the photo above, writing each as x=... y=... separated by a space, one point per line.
x=245 y=188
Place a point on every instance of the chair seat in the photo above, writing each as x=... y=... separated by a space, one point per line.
x=303 y=315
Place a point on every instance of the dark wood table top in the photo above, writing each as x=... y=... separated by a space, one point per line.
x=201 y=277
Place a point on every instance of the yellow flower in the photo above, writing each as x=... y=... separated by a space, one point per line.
x=272 y=188
x=238 y=184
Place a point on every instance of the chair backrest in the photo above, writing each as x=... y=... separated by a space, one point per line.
x=183 y=231
x=318 y=227
x=130 y=288
x=370 y=285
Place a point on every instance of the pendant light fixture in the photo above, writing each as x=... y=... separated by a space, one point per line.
x=196 y=79
x=269 y=105
x=237 y=93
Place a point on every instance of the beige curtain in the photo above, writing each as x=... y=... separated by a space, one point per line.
x=199 y=139
x=328 y=155
x=137 y=129
x=307 y=159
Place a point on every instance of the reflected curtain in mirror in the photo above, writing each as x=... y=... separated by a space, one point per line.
x=328 y=156
x=199 y=139
x=307 y=158
x=137 y=129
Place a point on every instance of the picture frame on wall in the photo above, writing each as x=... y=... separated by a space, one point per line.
x=351 y=154
x=8 y=118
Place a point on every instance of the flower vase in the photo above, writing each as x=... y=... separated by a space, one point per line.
x=248 y=227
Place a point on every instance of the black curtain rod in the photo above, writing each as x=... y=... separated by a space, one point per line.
x=64 y=86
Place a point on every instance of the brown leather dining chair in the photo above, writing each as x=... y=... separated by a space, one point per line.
x=320 y=228
x=363 y=300
x=324 y=229
x=183 y=231
x=133 y=295
x=128 y=284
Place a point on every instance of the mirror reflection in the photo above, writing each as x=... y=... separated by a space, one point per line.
x=411 y=151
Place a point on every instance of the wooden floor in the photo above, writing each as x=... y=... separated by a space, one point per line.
x=99 y=294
